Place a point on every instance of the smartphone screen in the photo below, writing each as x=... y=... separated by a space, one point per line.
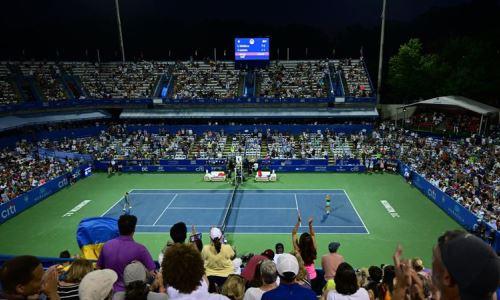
x=195 y=237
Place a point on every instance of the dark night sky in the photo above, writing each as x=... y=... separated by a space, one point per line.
x=323 y=13
x=44 y=25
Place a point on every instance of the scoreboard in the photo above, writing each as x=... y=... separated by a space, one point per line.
x=251 y=49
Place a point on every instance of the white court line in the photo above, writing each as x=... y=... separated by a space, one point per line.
x=258 y=226
x=119 y=200
x=354 y=207
x=170 y=203
x=297 y=207
x=234 y=208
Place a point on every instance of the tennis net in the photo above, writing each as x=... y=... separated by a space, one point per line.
x=227 y=213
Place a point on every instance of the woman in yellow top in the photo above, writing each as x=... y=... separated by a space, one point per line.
x=218 y=260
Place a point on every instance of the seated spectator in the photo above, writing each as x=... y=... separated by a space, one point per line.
x=268 y=275
x=418 y=266
x=386 y=288
x=128 y=250
x=280 y=249
x=331 y=261
x=64 y=267
x=234 y=287
x=23 y=277
x=68 y=288
x=250 y=269
x=98 y=285
x=269 y=253
x=374 y=278
x=288 y=268
x=183 y=274
x=218 y=260
x=135 y=277
x=346 y=285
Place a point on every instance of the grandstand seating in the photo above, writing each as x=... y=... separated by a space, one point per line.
x=7 y=90
x=195 y=80
x=294 y=79
x=47 y=76
x=191 y=79
x=356 y=77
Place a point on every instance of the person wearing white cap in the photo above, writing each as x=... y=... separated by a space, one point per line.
x=218 y=259
x=97 y=285
x=288 y=268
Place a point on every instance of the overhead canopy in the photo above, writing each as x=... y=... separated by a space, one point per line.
x=246 y=113
x=458 y=101
x=11 y=122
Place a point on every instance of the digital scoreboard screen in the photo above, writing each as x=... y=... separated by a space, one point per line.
x=251 y=49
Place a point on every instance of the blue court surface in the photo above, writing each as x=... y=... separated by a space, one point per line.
x=253 y=211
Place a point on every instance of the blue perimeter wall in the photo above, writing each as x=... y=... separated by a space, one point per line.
x=23 y=202
x=451 y=207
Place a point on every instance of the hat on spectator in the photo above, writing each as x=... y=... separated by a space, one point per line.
x=333 y=246
x=287 y=263
x=476 y=275
x=215 y=233
x=97 y=285
x=269 y=254
x=135 y=271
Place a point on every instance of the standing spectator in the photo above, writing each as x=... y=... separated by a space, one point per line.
x=306 y=247
x=183 y=274
x=268 y=276
x=346 y=285
x=117 y=253
x=234 y=287
x=97 y=285
x=218 y=260
x=23 y=277
x=288 y=268
x=68 y=288
x=178 y=232
x=302 y=277
x=331 y=261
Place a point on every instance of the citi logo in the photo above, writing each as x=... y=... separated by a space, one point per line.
x=62 y=183
x=10 y=211
x=431 y=193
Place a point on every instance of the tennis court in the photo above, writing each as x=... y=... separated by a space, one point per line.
x=251 y=211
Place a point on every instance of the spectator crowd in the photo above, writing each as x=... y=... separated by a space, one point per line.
x=189 y=79
x=22 y=169
x=190 y=270
x=467 y=169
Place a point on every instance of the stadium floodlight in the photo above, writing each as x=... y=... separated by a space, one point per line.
x=120 y=35
x=381 y=51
